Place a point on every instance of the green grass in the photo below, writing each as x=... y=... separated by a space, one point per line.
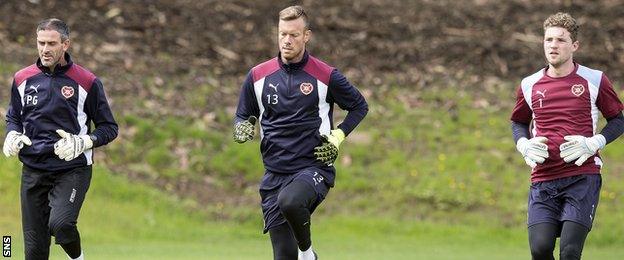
x=122 y=220
x=429 y=174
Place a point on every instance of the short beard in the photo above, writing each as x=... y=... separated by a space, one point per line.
x=52 y=63
x=293 y=57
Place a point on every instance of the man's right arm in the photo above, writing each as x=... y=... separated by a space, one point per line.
x=520 y=130
x=246 y=113
x=14 y=114
x=247 y=102
x=534 y=150
x=521 y=117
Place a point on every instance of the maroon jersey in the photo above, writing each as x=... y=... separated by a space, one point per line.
x=568 y=105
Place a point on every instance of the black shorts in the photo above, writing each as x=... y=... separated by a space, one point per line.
x=273 y=183
x=572 y=198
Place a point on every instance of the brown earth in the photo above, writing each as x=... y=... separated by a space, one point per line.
x=155 y=50
x=375 y=42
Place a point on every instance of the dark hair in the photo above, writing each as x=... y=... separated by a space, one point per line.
x=55 y=24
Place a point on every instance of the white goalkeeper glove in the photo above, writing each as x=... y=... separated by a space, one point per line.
x=581 y=147
x=71 y=146
x=533 y=150
x=14 y=142
x=244 y=130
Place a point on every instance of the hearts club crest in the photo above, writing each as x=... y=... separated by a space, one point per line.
x=578 y=89
x=67 y=91
x=306 y=88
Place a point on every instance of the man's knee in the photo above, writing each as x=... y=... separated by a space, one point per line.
x=570 y=251
x=288 y=202
x=542 y=250
x=64 y=231
x=296 y=196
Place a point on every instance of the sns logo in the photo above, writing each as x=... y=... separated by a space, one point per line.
x=6 y=246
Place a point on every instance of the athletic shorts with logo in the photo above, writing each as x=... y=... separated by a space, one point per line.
x=572 y=198
x=272 y=183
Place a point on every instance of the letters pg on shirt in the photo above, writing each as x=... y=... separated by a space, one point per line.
x=32 y=98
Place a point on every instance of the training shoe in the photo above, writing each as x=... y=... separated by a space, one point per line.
x=307 y=255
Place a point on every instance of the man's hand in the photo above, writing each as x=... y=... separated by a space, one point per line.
x=327 y=152
x=244 y=130
x=71 y=146
x=14 y=142
x=533 y=150
x=581 y=147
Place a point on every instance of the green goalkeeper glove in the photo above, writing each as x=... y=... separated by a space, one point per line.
x=327 y=152
x=244 y=130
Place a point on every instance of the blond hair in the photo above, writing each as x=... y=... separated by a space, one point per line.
x=294 y=12
x=565 y=21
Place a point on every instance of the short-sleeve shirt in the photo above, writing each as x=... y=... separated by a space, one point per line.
x=569 y=105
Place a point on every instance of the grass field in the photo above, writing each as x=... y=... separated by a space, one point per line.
x=431 y=174
x=121 y=220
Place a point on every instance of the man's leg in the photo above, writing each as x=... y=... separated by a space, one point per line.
x=545 y=207
x=581 y=195
x=283 y=242
x=295 y=201
x=572 y=240
x=66 y=200
x=542 y=238
x=35 y=213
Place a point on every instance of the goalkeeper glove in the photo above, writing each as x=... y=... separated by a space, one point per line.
x=244 y=130
x=327 y=152
x=581 y=147
x=71 y=146
x=533 y=150
x=14 y=142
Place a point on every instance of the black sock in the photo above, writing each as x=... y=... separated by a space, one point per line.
x=283 y=242
x=572 y=240
x=72 y=249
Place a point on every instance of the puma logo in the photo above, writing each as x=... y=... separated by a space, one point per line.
x=274 y=86
x=541 y=93
x=34 y=88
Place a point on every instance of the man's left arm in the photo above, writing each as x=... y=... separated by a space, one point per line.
x=341 y=92
x=614 y=128
x=581 y=148
x=348 y=98
x=611 y=107
x=98 y=109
